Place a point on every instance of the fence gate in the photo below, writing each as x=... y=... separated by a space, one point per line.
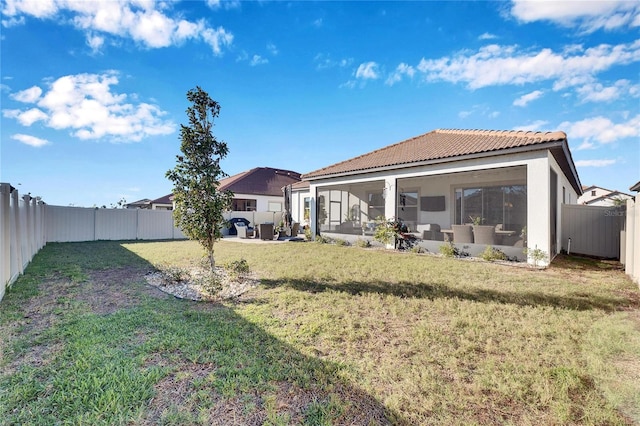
x=593 y=230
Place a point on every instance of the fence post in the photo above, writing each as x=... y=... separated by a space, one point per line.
x=5 y=236
x=28 y=229
x=16 y=237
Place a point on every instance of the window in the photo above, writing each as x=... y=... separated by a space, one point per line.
x=564 y=195
x=275 y=207
x=493 y=205
x=593 y=193
x=243 y=205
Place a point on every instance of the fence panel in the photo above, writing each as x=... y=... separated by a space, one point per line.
x=593 y=230
x=116 y=224
x=155 y=225
x=70 y=224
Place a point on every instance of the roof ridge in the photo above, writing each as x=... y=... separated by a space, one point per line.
x=510 y=133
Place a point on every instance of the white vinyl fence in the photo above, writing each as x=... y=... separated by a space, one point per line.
x=593 y=230
x=27 y=224
x=22 y=233
x=67 y=224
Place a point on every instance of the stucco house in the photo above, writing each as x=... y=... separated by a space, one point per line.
x=511 y=181
x=598 y=196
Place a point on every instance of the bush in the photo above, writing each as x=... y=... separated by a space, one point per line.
x=210 y=282
x=490 y=254
x=341 y=242
x=363 y=243
x=417 y=249
x=322 y=240
x=307 y=233
x=173 y=274
x=237 y=268
x=449 y=250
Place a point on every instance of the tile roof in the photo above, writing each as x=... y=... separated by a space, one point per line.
x=260 y=181
x=441 y=144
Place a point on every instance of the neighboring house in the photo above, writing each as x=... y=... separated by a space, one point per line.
x=514 y=181
x=598 y=196
x=259 y=189
x=162 y=203
x=255 y=190
x=145 y=203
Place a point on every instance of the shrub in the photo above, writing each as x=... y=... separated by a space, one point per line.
x=449 y=250
x=535 y=254
x=307 y=233
x=322 y=240
x=363 y=243
x=417 y=249
x=210 y=282
x=341 y=242
x=490 y=254
x=237 y=268
x=173 y=274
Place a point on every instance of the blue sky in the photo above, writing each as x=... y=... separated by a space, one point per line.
x=93 y=93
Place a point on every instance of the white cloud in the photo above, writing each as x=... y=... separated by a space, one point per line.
x=29 y=95
x=30 y=140
x=318 y=23
x=324 y=61
x=587 y=15
x=85 y=105
x=525 y=99
x=502 y=65
x=601 y=130
x=272 y=49
x=223 y=4
x=597 y=92
x=532 y=127
x=258 y=60
x=400 y=71
x=595 y=163
x=368 y=71
x=487 y=36
x=145 y=22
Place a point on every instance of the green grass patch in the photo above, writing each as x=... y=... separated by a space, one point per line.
x=334 y=335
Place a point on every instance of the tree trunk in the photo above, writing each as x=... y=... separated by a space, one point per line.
x=212 y=261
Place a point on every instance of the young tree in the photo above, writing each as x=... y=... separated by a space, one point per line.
x=196 y=177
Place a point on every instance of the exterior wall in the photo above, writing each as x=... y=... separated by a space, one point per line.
x=631 y=258
x=566 y=195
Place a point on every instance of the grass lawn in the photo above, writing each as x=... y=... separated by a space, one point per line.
x=333 y=335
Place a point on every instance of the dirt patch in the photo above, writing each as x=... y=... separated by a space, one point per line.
x=110 y=290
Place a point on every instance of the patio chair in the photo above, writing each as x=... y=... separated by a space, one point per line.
x=462 y=233
x=295 y=229
x=243 y=230
x=266 y=231
x=484 y=235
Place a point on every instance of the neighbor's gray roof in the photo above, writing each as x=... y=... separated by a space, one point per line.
x=449 y=145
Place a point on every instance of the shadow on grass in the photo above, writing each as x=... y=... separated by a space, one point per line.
x=155 y=359
x=434 y=291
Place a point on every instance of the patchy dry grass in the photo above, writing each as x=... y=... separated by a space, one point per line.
x=334 y=335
